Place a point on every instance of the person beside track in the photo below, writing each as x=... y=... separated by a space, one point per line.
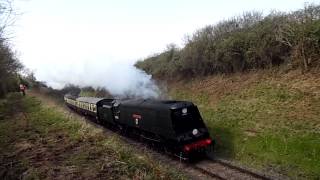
x=23 y=89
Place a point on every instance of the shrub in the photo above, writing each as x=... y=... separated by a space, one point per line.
x=244 y=43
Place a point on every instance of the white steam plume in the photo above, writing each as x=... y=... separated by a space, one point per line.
x=119 y=78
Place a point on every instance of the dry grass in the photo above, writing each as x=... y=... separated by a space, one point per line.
x=218 y=86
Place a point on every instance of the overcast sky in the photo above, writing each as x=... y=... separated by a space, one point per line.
x=51 y=36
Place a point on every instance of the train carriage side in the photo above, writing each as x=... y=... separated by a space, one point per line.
x=88 y=105
x=70 y=101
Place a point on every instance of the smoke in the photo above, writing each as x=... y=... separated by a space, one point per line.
x=119 y=78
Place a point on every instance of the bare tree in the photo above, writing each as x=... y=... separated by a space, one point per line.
x=9 y=64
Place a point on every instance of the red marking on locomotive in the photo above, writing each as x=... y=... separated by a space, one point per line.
x=136 y=116
x=197 y=145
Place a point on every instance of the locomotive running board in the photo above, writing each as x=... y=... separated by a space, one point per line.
x=156 y=140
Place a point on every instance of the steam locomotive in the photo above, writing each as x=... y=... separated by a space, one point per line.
x=176 y=124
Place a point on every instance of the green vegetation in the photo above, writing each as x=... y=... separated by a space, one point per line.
x=38 y=142
x=264 y=124
x=9 y=64
x=243 y=43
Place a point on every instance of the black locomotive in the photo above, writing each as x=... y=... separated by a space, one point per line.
x=176 y=124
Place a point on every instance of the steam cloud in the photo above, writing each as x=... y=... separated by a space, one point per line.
x=120 y=79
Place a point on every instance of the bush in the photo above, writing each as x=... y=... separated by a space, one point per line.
x=244 y=43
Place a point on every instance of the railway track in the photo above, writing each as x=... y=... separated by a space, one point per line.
x=206 y=168
x=219 y=169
